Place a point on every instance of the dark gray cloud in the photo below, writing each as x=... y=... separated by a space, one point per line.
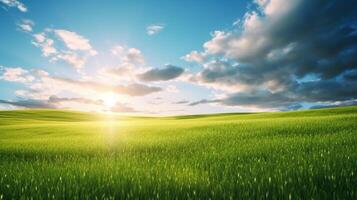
x=351 y=75
x=203 y=101
x=286 y=52
x=167 y=73
x=29 y=103
x=54 y=100
x=181 y=102
x=328 y=92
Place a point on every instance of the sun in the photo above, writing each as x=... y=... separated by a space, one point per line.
x=109 y=100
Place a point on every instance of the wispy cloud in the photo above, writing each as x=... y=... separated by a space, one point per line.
x=154 y=29
x=45 y=44
x=195 y=56
x=15 y=3
x=41 y=90
x=74 y=41
x=26 y=25
x=76 y=50
x=45 y=83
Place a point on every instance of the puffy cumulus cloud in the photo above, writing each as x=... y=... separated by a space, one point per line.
x=16 y=4
x=195 y=56
x=75 y=51
x=154 y=29
x=167 y=73
x=45 y=44
x=26 y=25
x=132 y=67
x=15 y=74
x=222 y=75
x=267 y=61
x=71 y=58
x=134 y=56
x=128 y=55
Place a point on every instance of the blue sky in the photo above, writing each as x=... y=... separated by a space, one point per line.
x=187 y=25
x=175 y=57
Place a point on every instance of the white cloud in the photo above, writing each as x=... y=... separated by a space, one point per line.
x=217 y=44
x=26 y=25
x=172 y=89
x=72 y=58
x=154 y=29
x=118 y=50
x=75 y=41
x=128 y=55
x=15 y=3
x=134 y=56
x=76 y=49
x=46 y=44
x=16 y=74
x=42 y=84
x=195 y=56
x=262 y=60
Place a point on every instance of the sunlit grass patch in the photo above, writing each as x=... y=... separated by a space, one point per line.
x=64 y=155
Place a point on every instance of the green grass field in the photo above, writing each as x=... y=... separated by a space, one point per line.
x=48 y=154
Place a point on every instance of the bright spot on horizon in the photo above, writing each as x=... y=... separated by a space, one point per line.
x=109 y=100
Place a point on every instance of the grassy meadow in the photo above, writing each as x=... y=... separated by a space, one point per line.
x=52 y=154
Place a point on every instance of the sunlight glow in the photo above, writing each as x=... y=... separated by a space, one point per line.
x=109 y=100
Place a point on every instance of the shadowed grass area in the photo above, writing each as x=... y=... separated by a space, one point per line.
x=72 y=155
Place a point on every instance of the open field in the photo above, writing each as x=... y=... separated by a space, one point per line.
x=48 y=154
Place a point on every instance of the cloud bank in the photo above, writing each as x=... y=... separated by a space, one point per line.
x=284 y=53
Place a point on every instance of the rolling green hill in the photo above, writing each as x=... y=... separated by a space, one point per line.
x=52 y=154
